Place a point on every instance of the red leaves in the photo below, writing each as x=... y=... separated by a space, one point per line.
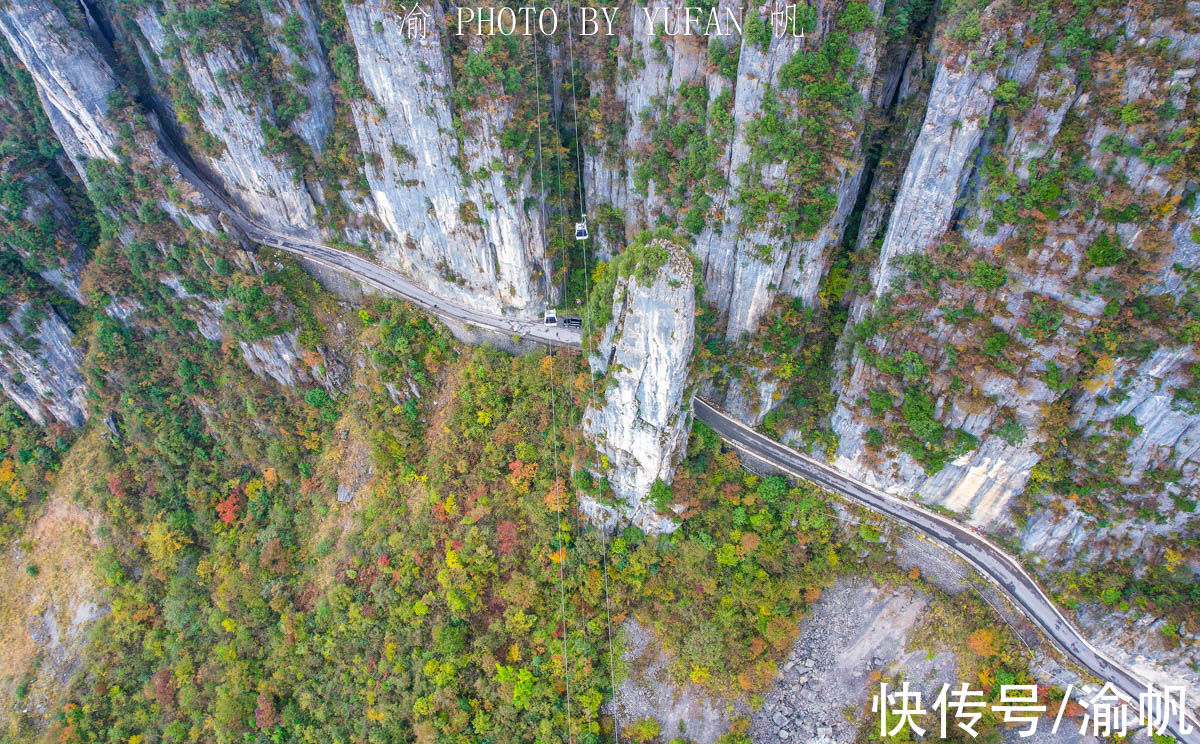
x=265 y=716
x=229 y=508
x=115 y=486
x=506 y=535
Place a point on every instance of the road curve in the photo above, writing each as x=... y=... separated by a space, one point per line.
x=986 y=557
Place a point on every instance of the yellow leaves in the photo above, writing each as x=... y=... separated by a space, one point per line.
x=163 y=542
x=374 y=716
x=8 y=475
x=254 y=488
x=1173 y=558
x=547 y=365
x=450 y=505
x=1103 y=374
x=514 y=653
x=452 y=559
x=484 y=416
x=700 y=675
x=228 y=625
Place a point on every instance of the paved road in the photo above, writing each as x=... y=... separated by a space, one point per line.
x=988 y=558
x=361 y=268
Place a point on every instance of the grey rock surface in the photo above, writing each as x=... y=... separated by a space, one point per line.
x=40 y=367
x=643 y=422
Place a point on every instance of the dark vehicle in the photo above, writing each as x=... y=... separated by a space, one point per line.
x=572 y=323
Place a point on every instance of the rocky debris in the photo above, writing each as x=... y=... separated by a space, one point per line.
x=40 y=368
x=644 y=353
x=649 y=693
x=59 y=643
x=853 y=629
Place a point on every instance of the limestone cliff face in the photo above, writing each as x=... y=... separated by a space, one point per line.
x=450 y=213
x=751 y=255
x=40 y=366
x=641 y=424
x=380 y=155
x=967 y=171
x=237 y=151
x=73 y=79
x=295 y=38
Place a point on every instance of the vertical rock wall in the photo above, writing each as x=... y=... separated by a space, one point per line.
x=39 y=366
x=641 y=426
x=452 y=217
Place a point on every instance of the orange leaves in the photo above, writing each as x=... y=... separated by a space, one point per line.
x=757 y=646
x=555 y=498
x=982 y=643
x=521 y=475
x=559 y=555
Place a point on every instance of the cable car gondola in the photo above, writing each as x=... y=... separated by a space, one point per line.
x=581 y=231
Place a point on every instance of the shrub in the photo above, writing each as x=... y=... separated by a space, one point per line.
x=987 y=276
x=918 y=414
x=1105 y=250
x=1011 y=431
x=880 y=401
x=660 y=495
x=1006 y=92
x=856 y=17
x=969 y=28
x=996 y=343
